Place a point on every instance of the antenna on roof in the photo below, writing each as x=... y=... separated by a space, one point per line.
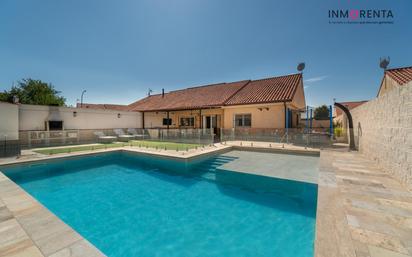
x=301 y=67
x=149 y=92
x=384 y=62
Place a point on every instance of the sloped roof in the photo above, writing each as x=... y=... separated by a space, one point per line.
x=190 y=98
x=349 y=105
x=269 y=90
x=116 y=107
x=276 y=89
x=400 y=75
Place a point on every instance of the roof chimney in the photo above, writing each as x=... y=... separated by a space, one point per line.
x=163 y=92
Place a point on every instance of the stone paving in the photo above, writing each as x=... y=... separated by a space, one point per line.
x=362 y=211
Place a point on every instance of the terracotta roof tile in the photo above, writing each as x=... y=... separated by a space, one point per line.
x=400 y=75
x=190 y=98
x=269 y=90
x=276 y=89
x=349 y=105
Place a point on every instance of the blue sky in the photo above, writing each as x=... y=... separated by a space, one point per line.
x=116 y=50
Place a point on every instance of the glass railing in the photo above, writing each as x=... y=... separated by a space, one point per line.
x=38 y=139
x=161 y=139
x=293 y=136
x=9 y=143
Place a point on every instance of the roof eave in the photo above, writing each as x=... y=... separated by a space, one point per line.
x=179 y=109
x=265 y=102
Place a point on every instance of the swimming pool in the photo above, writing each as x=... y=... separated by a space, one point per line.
x=128 y=204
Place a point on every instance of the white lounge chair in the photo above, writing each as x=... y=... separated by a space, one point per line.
x=102 y=138
x=122 y=136
x=134 y=132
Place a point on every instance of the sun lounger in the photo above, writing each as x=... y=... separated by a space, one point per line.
x=122 y=136
x=133 y=131
x=102 y=138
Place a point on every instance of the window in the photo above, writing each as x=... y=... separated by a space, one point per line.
x=55 y=125
x=167 y=121
x=187 y=122
x=243 y=120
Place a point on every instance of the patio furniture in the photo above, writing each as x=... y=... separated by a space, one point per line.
x=122 y=136
x=102 y=138
x=135 y=133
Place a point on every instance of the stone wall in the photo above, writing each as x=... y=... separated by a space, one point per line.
x=383 y=132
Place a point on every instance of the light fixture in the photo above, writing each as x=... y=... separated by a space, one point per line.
x=81 y=98
x=16 y=99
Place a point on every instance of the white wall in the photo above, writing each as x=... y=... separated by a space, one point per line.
x=154 y=119
x=33 y=117
x=9 y=121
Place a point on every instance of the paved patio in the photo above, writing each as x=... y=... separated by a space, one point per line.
x=362 y=211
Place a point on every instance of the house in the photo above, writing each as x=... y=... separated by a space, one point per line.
x=115 y=107
x=395 y=78
x=340 y=116
x=264 y=103
x=392 y=78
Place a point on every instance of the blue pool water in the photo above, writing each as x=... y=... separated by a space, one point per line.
x=133 y=205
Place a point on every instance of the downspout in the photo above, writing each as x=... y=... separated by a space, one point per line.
x=284 y=105
x=143 y=120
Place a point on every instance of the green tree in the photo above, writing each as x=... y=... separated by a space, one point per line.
x=30 y=91
x=322 y=113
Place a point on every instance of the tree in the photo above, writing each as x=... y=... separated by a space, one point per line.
x=30 y=91
x=322 y=113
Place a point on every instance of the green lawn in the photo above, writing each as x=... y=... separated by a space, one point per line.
x=135 y=143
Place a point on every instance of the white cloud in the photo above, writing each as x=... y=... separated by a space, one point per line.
x=315 y=79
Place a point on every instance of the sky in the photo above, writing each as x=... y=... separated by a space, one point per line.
x=117 y=50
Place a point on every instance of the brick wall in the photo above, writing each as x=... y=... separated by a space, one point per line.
x=383 y=132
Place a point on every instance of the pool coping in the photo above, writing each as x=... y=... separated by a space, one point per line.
x=36 y=231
